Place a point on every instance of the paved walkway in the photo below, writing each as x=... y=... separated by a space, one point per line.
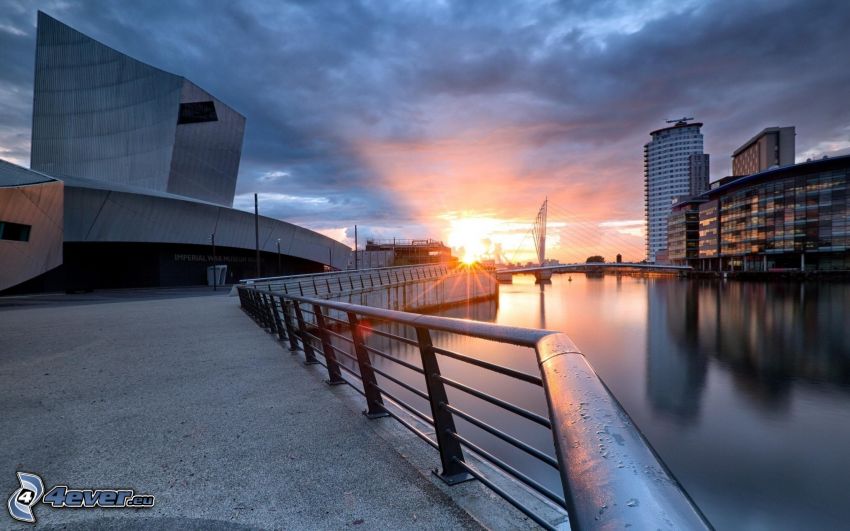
x=187 y=400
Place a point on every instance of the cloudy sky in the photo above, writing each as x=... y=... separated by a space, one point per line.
x=454 y=120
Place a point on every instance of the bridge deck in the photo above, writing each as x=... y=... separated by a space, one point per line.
x=185 y=399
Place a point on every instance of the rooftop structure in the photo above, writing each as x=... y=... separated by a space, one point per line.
x=413 y=252
x=773 y=146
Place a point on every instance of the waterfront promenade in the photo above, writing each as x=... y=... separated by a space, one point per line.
x=177 y=394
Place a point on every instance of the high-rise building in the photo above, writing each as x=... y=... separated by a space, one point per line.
x=698 y=171
x=668 y=171
x=774 y=146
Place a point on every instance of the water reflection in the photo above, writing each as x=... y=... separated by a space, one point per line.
x=743 y=388
x=769 y=335
x=676 y=367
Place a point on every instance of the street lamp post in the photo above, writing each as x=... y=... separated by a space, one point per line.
x=215 y=270
x=278 y=257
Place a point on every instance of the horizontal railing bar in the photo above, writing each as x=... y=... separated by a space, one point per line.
x=343 y=353
x=341 y=366
x=404 y=404
x=422 y=435
x=534 y=417
x=395 y=380
x=509 y=469
x=351 y=372
x=389 y=335
x=510 y=439
x=340 y=321
x=396 y=360
x=501 y=492
x=317 y=338
x=340 y=336
x=507 y=371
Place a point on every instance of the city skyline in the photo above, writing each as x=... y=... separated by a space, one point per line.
x=392 y=117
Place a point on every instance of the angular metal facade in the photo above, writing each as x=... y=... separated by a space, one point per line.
x=36 y=201
x=100 y=114
x=108 y=213
x=145 y=165
x=206 y=154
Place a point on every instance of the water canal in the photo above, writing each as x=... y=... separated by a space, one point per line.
x=743 y=388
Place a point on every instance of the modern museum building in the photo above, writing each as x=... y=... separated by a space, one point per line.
x=132 y=180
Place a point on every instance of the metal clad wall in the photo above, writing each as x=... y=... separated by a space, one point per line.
x=40 y=206
x=98 y=113
x=97 y=215
x=206 y=155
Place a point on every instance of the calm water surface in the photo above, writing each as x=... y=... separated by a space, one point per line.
x=743 y=388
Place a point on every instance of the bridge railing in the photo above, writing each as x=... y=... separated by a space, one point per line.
x=609 y=474
x=326 y=285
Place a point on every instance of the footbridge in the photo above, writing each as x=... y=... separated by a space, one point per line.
x=544 y=272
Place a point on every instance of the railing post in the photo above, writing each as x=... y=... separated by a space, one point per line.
x=241 y=292
x=309 y=355
x=444 y=424
x=334 y=375
x=266 y=313
x=287 y=322
x=374 y=402
x=255 y=306
x=270 y=313
x=281 y=332
x=249 y=303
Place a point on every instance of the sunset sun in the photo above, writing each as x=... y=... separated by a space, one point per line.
x=471 y=238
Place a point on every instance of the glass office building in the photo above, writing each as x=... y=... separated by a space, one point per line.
x=683 y=232
x=794 y=217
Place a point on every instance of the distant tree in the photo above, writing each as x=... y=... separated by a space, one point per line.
x=595 y=258
x=619 y=258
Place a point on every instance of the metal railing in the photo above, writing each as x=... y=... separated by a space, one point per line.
x=610 y=475
x=326 y=285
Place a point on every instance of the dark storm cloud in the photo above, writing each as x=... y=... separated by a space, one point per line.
x=584 y=83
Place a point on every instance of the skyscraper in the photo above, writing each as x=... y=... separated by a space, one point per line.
x=668 y=171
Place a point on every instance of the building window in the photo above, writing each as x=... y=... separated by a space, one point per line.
x=197 y=112
x=14 y=231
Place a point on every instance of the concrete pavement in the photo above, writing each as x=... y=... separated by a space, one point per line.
x=187 y=400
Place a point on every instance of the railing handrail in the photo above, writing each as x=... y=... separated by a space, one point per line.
x=610 y=474
x=515 y=335
x=323 y=274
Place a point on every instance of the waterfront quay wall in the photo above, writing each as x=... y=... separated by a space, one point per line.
x=421 y=288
